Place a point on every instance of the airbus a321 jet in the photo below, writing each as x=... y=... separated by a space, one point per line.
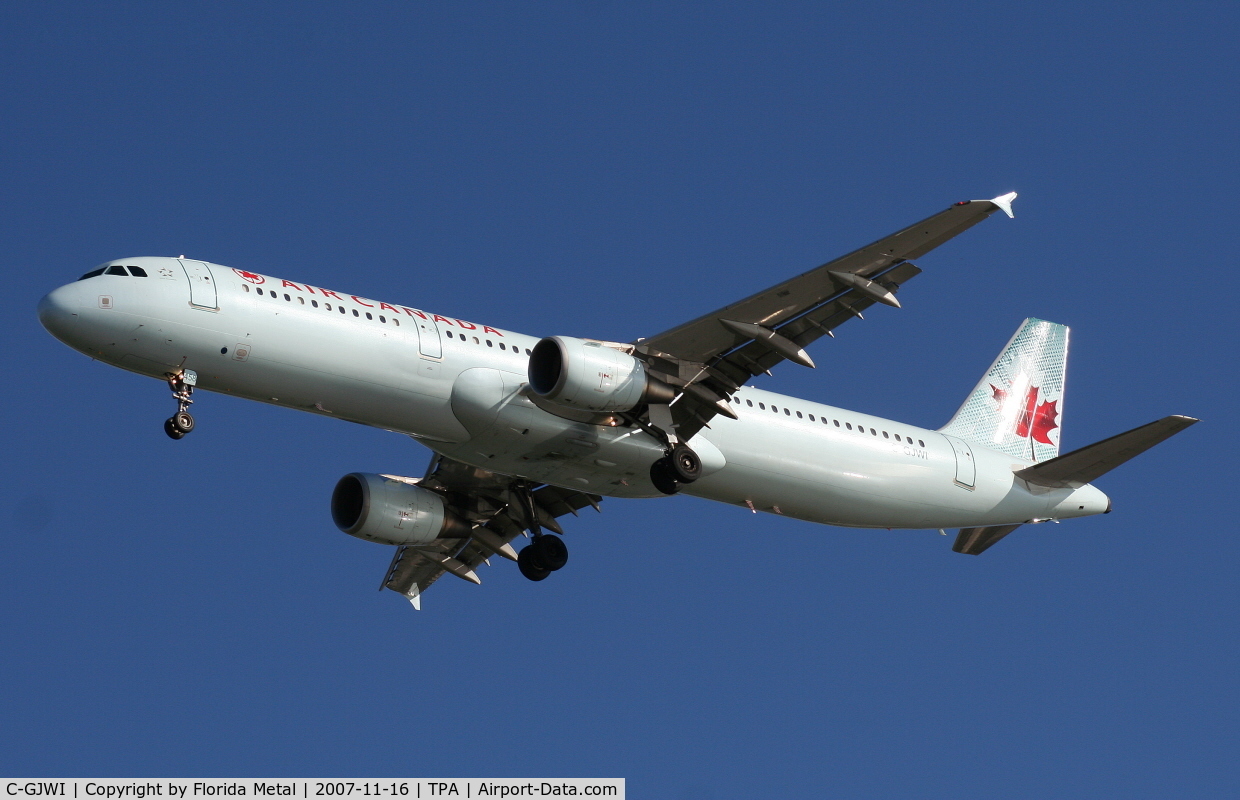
x=526 y=430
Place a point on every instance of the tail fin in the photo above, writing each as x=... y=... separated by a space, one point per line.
x=1017 y=407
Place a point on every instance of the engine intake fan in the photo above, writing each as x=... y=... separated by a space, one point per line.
x=391 y=510
x=592 y=376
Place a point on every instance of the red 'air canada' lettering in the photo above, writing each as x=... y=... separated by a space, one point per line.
x=469 y=326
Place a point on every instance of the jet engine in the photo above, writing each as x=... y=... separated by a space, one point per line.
x=392 y=510
x=591 y=376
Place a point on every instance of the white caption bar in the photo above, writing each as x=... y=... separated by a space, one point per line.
x=357 y=788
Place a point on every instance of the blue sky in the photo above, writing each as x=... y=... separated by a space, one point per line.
x=610 y=170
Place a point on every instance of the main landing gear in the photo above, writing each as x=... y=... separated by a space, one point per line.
x=680 y=465
x=182 y=385
x=543 y=556
x=546 y=553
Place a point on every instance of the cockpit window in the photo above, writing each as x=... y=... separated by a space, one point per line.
x=91 y=274
x=137 y=272
x=117 y=271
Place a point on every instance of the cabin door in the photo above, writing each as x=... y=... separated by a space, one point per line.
x=201 y=284
x=966 y=468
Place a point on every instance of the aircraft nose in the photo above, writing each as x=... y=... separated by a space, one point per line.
x=58 y=311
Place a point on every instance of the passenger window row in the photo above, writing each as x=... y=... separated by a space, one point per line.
x=846 y=425
x=274 y=295
x=116 y=269
x=488 y=342
x=328 y=307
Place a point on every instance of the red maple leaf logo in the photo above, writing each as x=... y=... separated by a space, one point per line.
x=250 y=276
x=1035 y=418
x=1044 y=421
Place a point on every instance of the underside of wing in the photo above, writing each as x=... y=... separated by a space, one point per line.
x=499 y=508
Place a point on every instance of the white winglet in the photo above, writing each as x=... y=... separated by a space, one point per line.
x=414 y=597
x=1005 y=202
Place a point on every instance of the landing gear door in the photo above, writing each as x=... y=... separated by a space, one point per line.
x=428 y=338
x=201 y=284
x=966 y=469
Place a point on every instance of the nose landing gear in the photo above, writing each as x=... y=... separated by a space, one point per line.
x=182 y=385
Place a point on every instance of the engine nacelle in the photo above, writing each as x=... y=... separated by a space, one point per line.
x=382 y=508
x=591 y=376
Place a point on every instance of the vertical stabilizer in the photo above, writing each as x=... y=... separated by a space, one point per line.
x=1017 y=407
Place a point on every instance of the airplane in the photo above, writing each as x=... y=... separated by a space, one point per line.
x=525 y=430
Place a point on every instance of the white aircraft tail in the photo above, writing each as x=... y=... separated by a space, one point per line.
x=1017 y=407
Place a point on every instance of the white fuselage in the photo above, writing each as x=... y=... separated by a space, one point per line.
x=460 y=388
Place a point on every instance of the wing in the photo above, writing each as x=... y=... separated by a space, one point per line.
x=714 y=355
x=499 y=508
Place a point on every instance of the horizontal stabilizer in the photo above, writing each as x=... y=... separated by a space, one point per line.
x=973 y=541
x=1093 y=461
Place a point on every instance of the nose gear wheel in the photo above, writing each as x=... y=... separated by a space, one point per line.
x=182 y=385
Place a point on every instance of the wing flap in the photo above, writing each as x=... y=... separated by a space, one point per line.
x=558 y=501
x=411 y=573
